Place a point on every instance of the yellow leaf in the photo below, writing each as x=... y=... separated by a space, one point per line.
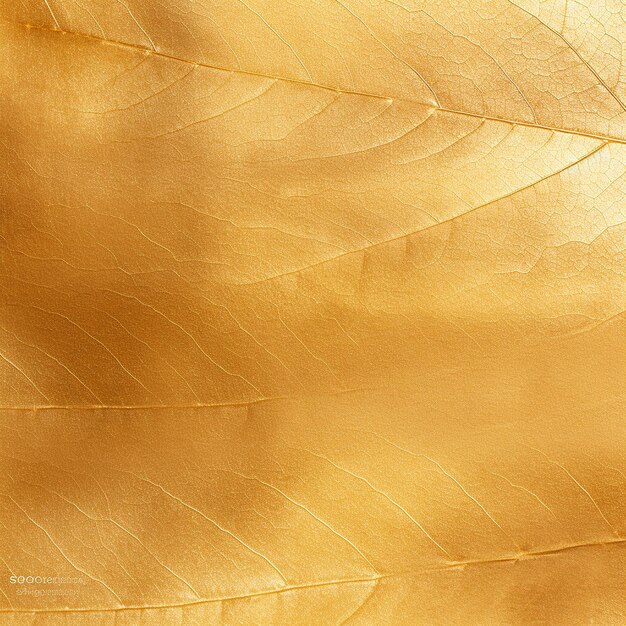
x=312 y=312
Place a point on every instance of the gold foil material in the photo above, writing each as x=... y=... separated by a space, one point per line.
x=312 y=312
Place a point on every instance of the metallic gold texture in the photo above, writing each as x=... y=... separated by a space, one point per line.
x=311 y=312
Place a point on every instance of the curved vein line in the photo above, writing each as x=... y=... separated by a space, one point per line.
x=304 y=67
x=365 y=94
x=26 y=376
x=431 y=226
x=211 y=117
x=579 y=485
x=53 y=358
x=62 y=552
x=361 y=604
x=122 y=528
x=380 y=41
x=395 y=504
x=193 y=339
x=94 y=338
x=571 y=47
x=303 y=508
x=141 y=28
x=54 y=17
x=327 y=583
x=214 y=523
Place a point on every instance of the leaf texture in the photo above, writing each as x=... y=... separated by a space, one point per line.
x=312 y=312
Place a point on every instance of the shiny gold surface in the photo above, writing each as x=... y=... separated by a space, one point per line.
x=312 y=312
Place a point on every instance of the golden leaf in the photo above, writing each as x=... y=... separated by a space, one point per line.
x=312 y=312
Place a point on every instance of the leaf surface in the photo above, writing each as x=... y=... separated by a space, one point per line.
x=312 y=312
